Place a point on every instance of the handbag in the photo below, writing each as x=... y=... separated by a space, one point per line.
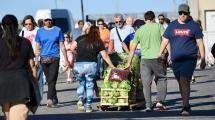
x=47 y=60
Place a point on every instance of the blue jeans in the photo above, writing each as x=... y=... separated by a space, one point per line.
x=85 y=73
x=40 y=79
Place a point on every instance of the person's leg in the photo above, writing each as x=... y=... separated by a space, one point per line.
x=78 y=72
x=52 y=80
x=40 y=80
x=81 y=86
x=184 y=85
x=69 y=78
x=146 y=76
x=90 y=76
x=89 y=91
x=160 y=80
x=18 y=111
x=187 y=68
x=96 y=88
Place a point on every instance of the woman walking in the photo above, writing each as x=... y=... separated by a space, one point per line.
x=16 y=58
x=70 y=54
x=85 y=68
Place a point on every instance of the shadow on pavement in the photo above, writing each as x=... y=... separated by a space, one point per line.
x=208 y=81
x=172 y=103
x=121 y=115
x=63 y=90
x=173 y=92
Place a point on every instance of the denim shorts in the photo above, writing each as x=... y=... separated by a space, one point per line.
x=184 y=68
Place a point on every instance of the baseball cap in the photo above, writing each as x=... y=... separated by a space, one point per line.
x=184 y=8
x=47 y=16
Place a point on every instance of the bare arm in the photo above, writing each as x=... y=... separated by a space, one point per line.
x=37 y=53
x=74 y=46
x=164 y=44
x=33 y=68
x=63 y=49
x=107 y=58
x=111 y=46
x=169 y=54
x=202 y=52
x=131 y=54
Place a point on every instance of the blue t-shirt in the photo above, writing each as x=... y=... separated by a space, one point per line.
x=183 y=39
x=49 y=41
x=128 y=41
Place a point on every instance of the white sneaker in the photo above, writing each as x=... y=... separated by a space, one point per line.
x=160 y=106
x=49 y=103
x=80 y=105
x=148 y=109
x=89 y=109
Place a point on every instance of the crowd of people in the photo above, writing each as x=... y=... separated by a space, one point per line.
x=36 y=50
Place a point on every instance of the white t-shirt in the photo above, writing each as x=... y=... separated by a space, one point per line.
x=30 y=35
x=124 y=32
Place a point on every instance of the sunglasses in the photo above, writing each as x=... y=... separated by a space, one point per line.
x=28 y=24
x=118 y=22
x=100 y=24
x=47 y=20
x=182 y=12
x=66 y=37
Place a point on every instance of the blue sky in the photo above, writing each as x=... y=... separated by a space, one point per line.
x=20 y=8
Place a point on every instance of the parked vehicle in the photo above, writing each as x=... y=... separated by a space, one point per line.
x=61 y=18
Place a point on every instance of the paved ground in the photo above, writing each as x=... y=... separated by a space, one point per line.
x=202 y=101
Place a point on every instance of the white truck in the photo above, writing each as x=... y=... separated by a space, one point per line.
x=61 y=18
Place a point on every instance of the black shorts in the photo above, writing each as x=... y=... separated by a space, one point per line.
x=184 y=68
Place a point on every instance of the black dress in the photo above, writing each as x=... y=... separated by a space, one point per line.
x=14 y=73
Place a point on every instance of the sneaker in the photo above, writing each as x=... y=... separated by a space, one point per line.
x=148 y=109
x=193 y=81
x=89 y=109
x=49 y=103
x=80 y=105
x=160 y=106
x=186 y=111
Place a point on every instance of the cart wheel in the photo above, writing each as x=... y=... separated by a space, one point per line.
x=131 y=108
x=102 y=108
x=119 y=108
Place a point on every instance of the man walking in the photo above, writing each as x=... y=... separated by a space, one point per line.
x=149 y=36
x=184 y=36
x=118 y=34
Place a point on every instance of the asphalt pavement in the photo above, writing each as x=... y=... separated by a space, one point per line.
x=202 y=100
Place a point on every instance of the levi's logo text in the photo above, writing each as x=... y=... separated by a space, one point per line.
x=182 y=32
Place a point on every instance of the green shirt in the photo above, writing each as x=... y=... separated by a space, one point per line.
x=149 y=36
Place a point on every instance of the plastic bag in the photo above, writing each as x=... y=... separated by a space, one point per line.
x=118 y=74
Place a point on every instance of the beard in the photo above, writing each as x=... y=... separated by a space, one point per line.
x=119 y=26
